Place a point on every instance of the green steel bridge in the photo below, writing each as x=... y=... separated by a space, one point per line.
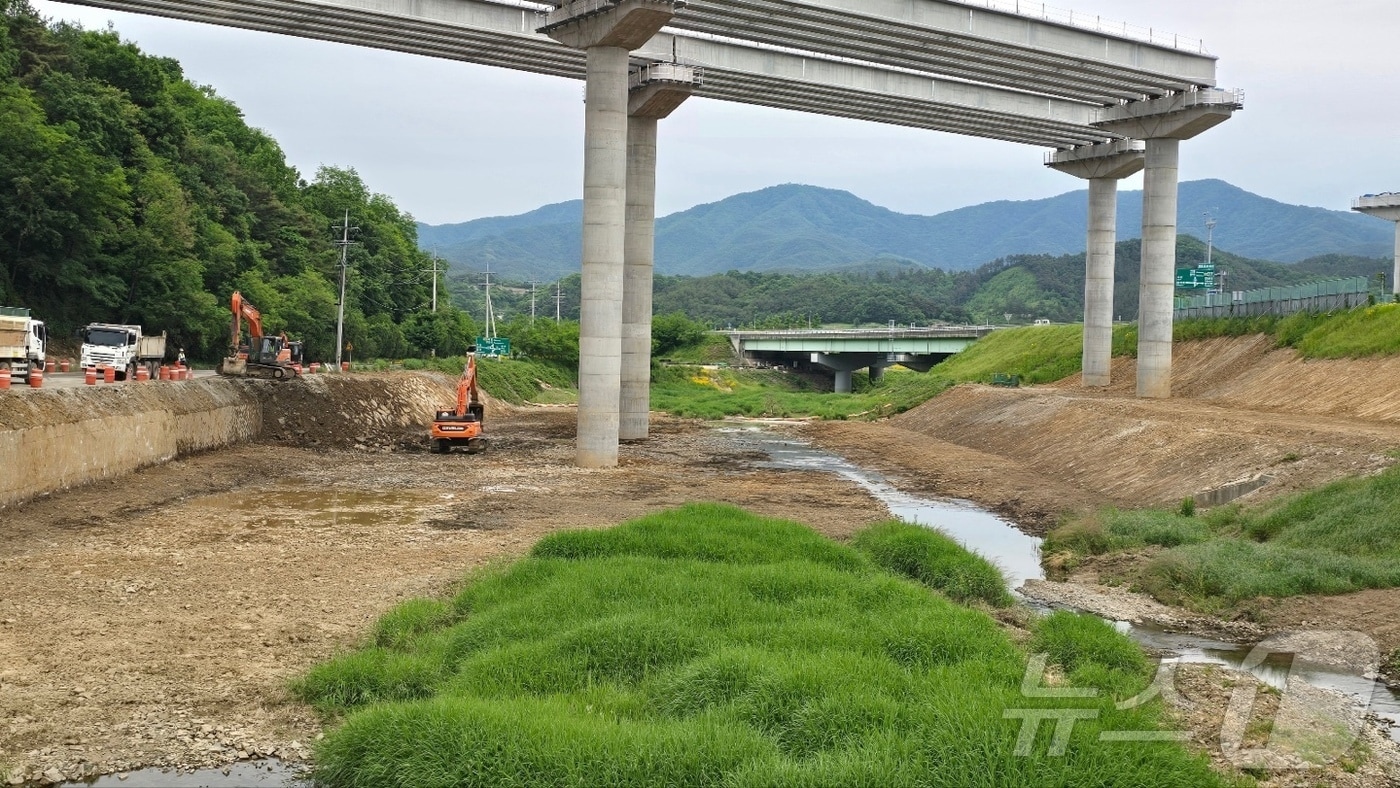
x=843 y=351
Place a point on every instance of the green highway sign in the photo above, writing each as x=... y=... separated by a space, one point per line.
x=495 y=346
x=1198 y=278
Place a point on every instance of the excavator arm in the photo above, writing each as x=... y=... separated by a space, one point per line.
x=466 y=387
x=242 y=310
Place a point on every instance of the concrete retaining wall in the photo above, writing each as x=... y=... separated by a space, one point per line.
x=59 y=438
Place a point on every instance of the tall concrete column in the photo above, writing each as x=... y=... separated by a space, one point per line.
x=1157 y=286
x=607 y=34
x=1103 y=166
x=1099 y=259
x=1163 y=123
x=638 y=252
x=604 y=217
x=656 y=91
x=843 y=381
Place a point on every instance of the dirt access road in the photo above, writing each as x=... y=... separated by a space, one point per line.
x=165 y=634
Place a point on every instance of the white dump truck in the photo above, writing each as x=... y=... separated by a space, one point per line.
x=122 y=348
x=22 y=341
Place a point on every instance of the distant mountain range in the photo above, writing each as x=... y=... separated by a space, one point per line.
x=807 y=228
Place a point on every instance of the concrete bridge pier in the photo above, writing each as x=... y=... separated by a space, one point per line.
x=1385 y=206
x=655 y=91
x=607 y=34
x=843 y=364
x=1163 y=123
x=1103 y=166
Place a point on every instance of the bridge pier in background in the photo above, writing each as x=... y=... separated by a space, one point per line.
x=655 y=91
x=1163 y=123
x=607 y=36
x=1385 y=206
x=1103 y=166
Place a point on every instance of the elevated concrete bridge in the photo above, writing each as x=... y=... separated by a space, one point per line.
x=1108 y=99
x=844 y=351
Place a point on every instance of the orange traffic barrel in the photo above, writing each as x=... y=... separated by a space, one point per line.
x=164 y=372
x=4 y=378
x=63 y=365
x=109 y=374
x=90 y=376
x=36 y=378
x=50 y=366
x=142 y=373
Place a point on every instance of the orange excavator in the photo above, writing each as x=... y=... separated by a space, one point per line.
x=264 y=356
x=461 y=427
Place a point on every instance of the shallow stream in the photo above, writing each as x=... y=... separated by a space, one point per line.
x=1018 y=556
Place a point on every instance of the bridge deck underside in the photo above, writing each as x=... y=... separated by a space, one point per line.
x=493 y=34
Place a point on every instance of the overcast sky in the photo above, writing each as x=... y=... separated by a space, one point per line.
x=451 y=141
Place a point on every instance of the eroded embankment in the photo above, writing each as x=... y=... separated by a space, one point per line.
x=61 y=438
x=1240 y=411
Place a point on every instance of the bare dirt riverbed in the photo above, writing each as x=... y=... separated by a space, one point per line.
x=162 y=627
x=157 y=618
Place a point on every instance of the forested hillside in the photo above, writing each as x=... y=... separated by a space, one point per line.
x=129 y=194
x=1019 y=288
x=794 y=228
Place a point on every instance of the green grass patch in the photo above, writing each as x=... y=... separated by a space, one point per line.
x=709 y=647
x=934 y=559
x=1336 y=539
x=1038 y=354
x=1354 y=333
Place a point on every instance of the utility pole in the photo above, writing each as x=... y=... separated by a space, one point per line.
x=435 y=274
x=490 y=314
x=344 y=244
x=558 y=299
x=532 y=301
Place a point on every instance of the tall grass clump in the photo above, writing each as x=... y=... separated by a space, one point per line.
x=706 y=646
x=934 y=559
x=1339 y=538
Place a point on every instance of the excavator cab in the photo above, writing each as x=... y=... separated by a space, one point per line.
x=265 y=350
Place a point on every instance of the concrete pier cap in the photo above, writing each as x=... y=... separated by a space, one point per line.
x=583 y=24
x=1385 y=205
x=1163 y=122
x=1103 y=165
